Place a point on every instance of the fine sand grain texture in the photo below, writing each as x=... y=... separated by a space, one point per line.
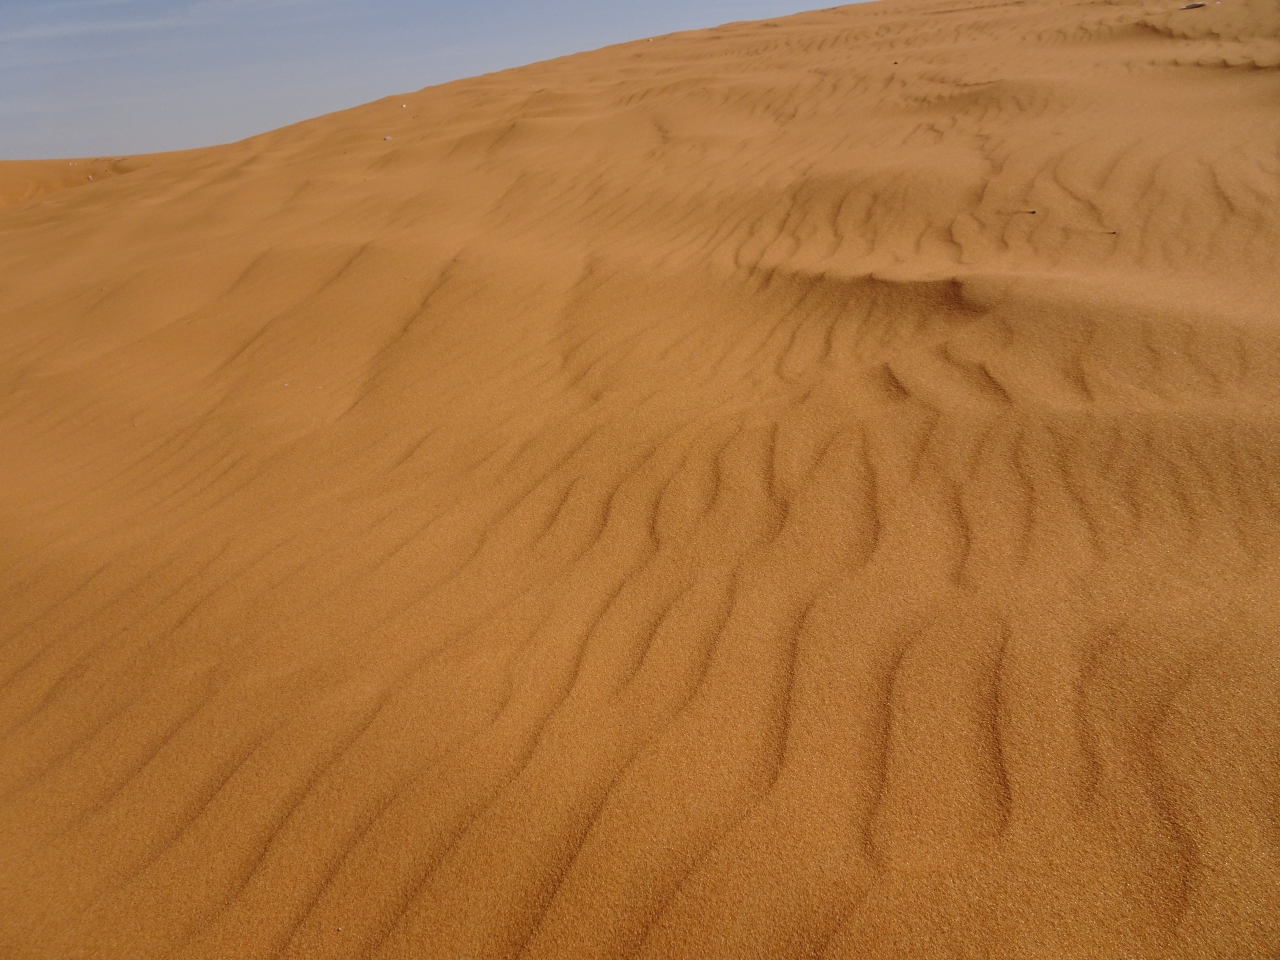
x=807 y=488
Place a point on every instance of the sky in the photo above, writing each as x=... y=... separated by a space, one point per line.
x=81 y=78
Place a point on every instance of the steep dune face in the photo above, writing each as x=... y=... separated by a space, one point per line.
x=808 y=488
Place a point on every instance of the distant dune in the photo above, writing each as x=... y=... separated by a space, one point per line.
x=802 y=489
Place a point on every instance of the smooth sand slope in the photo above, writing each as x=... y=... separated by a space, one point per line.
x=802 y=489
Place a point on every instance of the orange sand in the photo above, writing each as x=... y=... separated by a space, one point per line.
x=802 y=489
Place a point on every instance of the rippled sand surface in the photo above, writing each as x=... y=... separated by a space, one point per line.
x=807 y=488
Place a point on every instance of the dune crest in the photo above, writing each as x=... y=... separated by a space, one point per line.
x=807 y=488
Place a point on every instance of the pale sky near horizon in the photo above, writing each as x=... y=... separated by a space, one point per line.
x=96 y=77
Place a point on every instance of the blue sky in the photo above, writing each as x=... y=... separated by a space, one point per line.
x=97 y=77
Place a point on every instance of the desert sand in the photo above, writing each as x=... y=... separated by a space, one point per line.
x=806 y=488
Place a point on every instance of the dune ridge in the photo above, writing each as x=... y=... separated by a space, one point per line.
x=808 y=488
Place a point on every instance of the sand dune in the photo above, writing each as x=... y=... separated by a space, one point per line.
x=808 y=488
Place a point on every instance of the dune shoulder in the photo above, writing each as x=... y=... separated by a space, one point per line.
x=802 y=489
